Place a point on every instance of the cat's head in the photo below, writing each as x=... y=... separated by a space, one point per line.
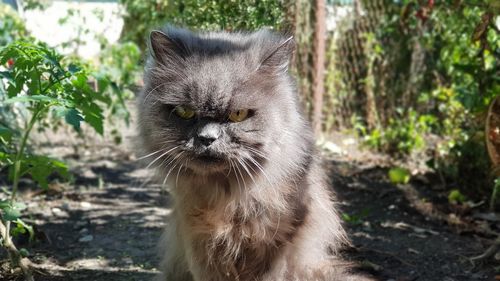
x=216 y=102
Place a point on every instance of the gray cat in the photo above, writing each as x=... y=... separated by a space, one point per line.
x=221 y=121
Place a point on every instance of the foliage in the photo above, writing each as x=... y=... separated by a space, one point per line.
x=456 y=196
x=402 y=135
x=355 y=219
x=421 y=81
x=39 y=78
x=36 y=4
x=338 y=97
x=40 y=89
x=468 y=52
x=117 y=66
x=120 y=63
x=495 y=194
x=39 y=84
x=74 y=18
x=11 y=26
x=143 y=16
x=468 y=55
x=399 y=175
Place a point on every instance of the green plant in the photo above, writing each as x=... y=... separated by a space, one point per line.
x=40 y=84
x=456 y=196
x=120 y=64
x=143 y=16
x=75 y=19
x=36 y=4
x=421 y=76
x=402 y=135
x=355 y=219
x=338 y=98
x=495 y=194
x=399 y=175
x=11 y=26
x=117 y=67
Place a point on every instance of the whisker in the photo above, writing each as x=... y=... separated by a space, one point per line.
x=242 y=178
x=173 y=167
x=277 y=226
x=163 y=154
x=259 y=166
x=259 y=153
x=149 y=155
x=236 y=175
x=243 y=164
x=178 y=172
x=229 y=171
x=147 y=95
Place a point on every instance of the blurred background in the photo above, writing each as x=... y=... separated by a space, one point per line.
x=402 y=94
x=410 y=78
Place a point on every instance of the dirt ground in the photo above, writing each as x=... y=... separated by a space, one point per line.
x=104 y=225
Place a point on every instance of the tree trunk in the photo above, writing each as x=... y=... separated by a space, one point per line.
x=319 y=64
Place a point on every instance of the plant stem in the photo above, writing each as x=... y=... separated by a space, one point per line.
x=20 y=151
x=14 y=255
x=494 y=195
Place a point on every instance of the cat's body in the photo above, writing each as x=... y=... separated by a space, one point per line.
x=220 y=118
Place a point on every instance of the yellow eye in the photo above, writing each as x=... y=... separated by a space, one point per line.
x=239 y=115
x=184 y=112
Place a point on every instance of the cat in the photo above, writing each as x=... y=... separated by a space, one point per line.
x=221 y=121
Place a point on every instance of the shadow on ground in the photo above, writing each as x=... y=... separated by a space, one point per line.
x=105 y=226
x=398 y=232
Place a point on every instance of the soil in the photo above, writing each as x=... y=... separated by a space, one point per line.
x=105 y=223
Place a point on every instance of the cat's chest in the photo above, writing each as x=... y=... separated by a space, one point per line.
x=233 y=246
x=235 y=234
x=214 y=211
x=230 y=223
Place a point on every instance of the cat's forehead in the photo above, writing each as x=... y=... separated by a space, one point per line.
x=219 y=71
x=215 y=84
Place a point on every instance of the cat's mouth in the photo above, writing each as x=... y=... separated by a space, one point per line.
x=208 y=162
x=208 y=157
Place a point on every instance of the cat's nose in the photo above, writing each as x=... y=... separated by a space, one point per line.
x=209 y=133
x=206 y=141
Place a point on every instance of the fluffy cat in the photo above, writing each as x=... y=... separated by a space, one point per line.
x=220 y=119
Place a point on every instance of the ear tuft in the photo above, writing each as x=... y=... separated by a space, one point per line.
x=166 y=50
x=279 y=57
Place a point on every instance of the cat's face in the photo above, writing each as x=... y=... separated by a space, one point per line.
x=215 y=104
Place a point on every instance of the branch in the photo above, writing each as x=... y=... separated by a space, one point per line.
x=15 y=256
x=489 y=252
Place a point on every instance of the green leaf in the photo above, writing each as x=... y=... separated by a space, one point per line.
x=73 y=68
x=19 y=206
x=11 y=214
x=24 y=253
x=71 y=115
x=4 y=204
x=6 y=75
x=5 y=134
x=34 y=98
x=93 y=115
x=41 y=167
x=73 y=118
x=456 y=196
x=21 y=224
x=467 y=68
x=399 y=175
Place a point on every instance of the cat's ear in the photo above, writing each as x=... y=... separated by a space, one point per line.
x=278 y=58
x=166 y=50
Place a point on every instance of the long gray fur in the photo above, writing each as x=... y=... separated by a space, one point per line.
x=252 y=203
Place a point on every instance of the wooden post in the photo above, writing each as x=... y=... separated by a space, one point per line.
x=319 y=64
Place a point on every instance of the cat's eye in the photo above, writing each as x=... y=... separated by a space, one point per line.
x=184 y=112
x=238 y=115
